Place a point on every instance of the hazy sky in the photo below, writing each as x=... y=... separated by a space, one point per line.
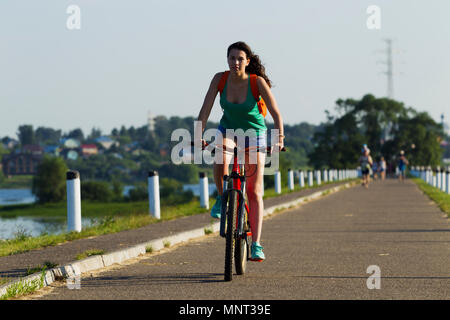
x=130 y=57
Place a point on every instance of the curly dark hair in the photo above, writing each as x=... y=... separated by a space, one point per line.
x=255 y=66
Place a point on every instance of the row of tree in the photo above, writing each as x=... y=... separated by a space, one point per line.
x=385 y=125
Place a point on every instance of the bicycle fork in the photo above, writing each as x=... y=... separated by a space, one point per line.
x=240 y=229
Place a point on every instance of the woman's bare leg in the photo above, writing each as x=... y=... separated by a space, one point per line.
x=255 y=184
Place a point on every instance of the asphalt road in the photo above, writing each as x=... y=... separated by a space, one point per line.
x=321 y=250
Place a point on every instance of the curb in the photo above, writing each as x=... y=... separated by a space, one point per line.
x=77 y=268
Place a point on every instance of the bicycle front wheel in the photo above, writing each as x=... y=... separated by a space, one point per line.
x=230 y=235
x=242 y=248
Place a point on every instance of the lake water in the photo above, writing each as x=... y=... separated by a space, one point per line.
x=10 y=227
x=16 y=196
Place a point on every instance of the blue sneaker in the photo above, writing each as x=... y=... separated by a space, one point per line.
x=257 y=253
x=215 y=210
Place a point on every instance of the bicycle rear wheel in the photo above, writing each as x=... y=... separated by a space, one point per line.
x=230 y=235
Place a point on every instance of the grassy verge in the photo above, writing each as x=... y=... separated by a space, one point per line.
x=17 y=182
x=24 y=287
x=88 y=253
x=47 y=265
x=441 y=198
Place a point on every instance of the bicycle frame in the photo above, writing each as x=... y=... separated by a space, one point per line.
x=238 y=184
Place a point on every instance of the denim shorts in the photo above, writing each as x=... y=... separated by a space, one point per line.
x=250 y=141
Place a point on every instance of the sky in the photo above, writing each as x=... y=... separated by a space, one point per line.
x=129 y=57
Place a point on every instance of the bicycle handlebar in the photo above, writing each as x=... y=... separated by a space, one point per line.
x=268 y=148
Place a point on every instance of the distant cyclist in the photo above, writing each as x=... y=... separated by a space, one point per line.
x=402 y=163
x=366 y=162
x=241 y=111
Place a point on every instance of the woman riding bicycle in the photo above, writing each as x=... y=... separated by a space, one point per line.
x=240 y=111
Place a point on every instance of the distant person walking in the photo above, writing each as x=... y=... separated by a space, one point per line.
x=383 y=168
x=402 y=163
x=375 y=169
x=366 y=164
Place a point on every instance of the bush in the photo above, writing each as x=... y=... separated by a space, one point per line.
x=171 y=192
x=96 y=191
x=49 y=183
x=139 y=193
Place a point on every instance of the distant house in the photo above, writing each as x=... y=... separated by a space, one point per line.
x=88 y=150
x=33 y=149
x=70 y=154
x=131 y=146
x=21 y=163
x=106 y=142
x=53 y=150
x=70 y=143
x=9 y=143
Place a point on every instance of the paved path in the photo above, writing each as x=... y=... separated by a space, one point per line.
x=16 y=265
x=320 y=250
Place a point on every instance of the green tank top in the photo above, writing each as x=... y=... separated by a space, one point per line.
x=242 y=115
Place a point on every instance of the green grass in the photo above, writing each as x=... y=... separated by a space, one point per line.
x=17 y=182
x=88 y=253
x=23 y=287
x=442 y=199
x=5 y=280
x=149 y=249
x=89 y=209
x=47 y=265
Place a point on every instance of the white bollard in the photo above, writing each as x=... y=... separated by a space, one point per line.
x=318 y=177
x=325 y=176
x=438 y=179
x=290 y=179
x=277 y=182
x=73 y=201
x=153 y=194
x=434 y=181
x=443 y=182
x=448 y=182
x=330 y=175
x=302 y=179
x=204 y=190
x=310 y=179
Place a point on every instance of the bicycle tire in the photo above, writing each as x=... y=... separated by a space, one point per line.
x=230 y=235
x=241 y=255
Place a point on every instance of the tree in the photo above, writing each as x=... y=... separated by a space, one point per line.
x=385 y=125
x=76 y=134
x=95 y=133
x=26 y=134
x=49 y=183
x=47 y=135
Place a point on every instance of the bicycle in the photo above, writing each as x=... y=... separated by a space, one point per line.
x=234 y=223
